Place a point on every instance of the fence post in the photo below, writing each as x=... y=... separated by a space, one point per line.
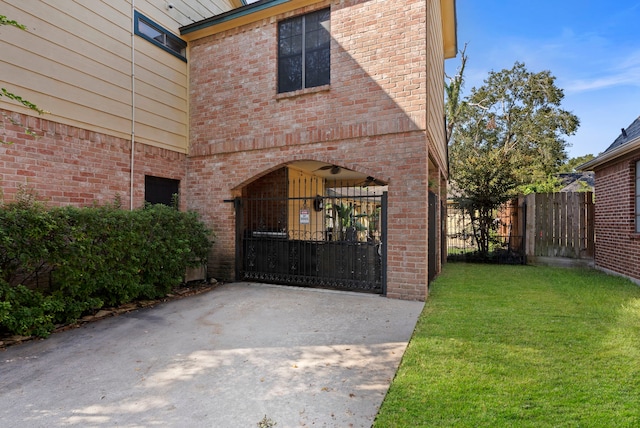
x=383 y=243
x=522 y=224
x=590 y=232
x=530 y=225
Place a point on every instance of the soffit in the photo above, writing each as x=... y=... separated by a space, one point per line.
x=253 y=12
x=185 y=12
x=449 y=28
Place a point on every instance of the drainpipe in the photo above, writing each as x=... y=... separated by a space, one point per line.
x=133 y=102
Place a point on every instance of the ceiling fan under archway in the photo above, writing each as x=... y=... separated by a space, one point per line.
x=333 y=169
x=372 y=181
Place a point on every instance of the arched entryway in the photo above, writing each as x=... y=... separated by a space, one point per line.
x=313 y=224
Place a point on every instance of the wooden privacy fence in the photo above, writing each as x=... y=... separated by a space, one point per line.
x=560 y=224
x=537 y=225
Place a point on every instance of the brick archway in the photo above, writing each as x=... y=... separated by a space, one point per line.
x=302 y=225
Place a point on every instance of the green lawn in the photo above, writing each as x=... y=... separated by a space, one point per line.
x=521 y=346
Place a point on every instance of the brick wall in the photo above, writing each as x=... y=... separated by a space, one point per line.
x=375 y=118
x=234 y=106
x=371 y=119
x=617 y=244
x=66 y=165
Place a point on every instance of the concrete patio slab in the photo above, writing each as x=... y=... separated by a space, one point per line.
x=231 y=357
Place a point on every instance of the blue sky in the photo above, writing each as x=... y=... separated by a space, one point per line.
x=591 y=47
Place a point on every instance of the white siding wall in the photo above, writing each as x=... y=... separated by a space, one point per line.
x=75 y=60
x=435 y=87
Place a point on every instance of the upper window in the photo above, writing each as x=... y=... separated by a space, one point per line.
x=304 y=51
x=638 y=197
x=149 y=30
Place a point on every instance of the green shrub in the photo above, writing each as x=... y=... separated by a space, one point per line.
x=119 y=256
x=97 y=256
x=173 y=241
x=27 y=312
x=30 y=238
x=100 y=257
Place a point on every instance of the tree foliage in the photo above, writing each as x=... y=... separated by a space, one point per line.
x=453 y=95
x=551 y=185
x=507 y=133
x=573 y=163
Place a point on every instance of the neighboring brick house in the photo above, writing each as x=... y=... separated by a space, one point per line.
x=221 y=110
x=617 y=208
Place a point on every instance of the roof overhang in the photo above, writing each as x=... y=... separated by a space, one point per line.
x=248 y=14
x=449 y=28
x=612 y=155
x=267 y=8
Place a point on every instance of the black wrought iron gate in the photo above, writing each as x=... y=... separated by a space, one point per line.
x=334 y=240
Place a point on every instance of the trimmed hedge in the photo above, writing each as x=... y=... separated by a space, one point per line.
x=89 y=257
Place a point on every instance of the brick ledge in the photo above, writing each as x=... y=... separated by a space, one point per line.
x=300 y=92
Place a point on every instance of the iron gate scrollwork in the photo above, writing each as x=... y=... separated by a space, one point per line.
x=330 y=240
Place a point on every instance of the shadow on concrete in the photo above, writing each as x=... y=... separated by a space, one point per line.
x=223 y=358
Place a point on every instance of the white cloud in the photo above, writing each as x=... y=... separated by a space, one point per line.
x=581 y=62
x=623 y=71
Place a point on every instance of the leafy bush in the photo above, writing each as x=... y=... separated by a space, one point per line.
x=100 y=259
x=173 y=241
x=92 y=257
x=27 y=312
x=29 y=238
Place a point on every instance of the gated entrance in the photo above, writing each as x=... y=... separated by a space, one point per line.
x=297 y=229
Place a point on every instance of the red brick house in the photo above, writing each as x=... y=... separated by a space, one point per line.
x=309 y=108
x=376 y=112
x=617 y=208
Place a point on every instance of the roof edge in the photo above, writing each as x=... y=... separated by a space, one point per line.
x=449 y=28
x=229 y=15
x=610 y=155
x=244 y=15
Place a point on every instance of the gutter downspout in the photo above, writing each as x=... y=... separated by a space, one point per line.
x=133 y=103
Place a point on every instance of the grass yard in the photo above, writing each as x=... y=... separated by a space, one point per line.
x=521 y=346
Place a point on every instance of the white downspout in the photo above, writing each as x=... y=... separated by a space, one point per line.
x=133 y=102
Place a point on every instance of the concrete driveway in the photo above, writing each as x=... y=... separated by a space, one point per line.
x=226 y=358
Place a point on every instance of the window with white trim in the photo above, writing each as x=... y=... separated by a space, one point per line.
x=159 y=36
x=304 y=51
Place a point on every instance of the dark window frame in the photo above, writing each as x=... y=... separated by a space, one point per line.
x=161 y=190
x=304 y=51
x=168 y=42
